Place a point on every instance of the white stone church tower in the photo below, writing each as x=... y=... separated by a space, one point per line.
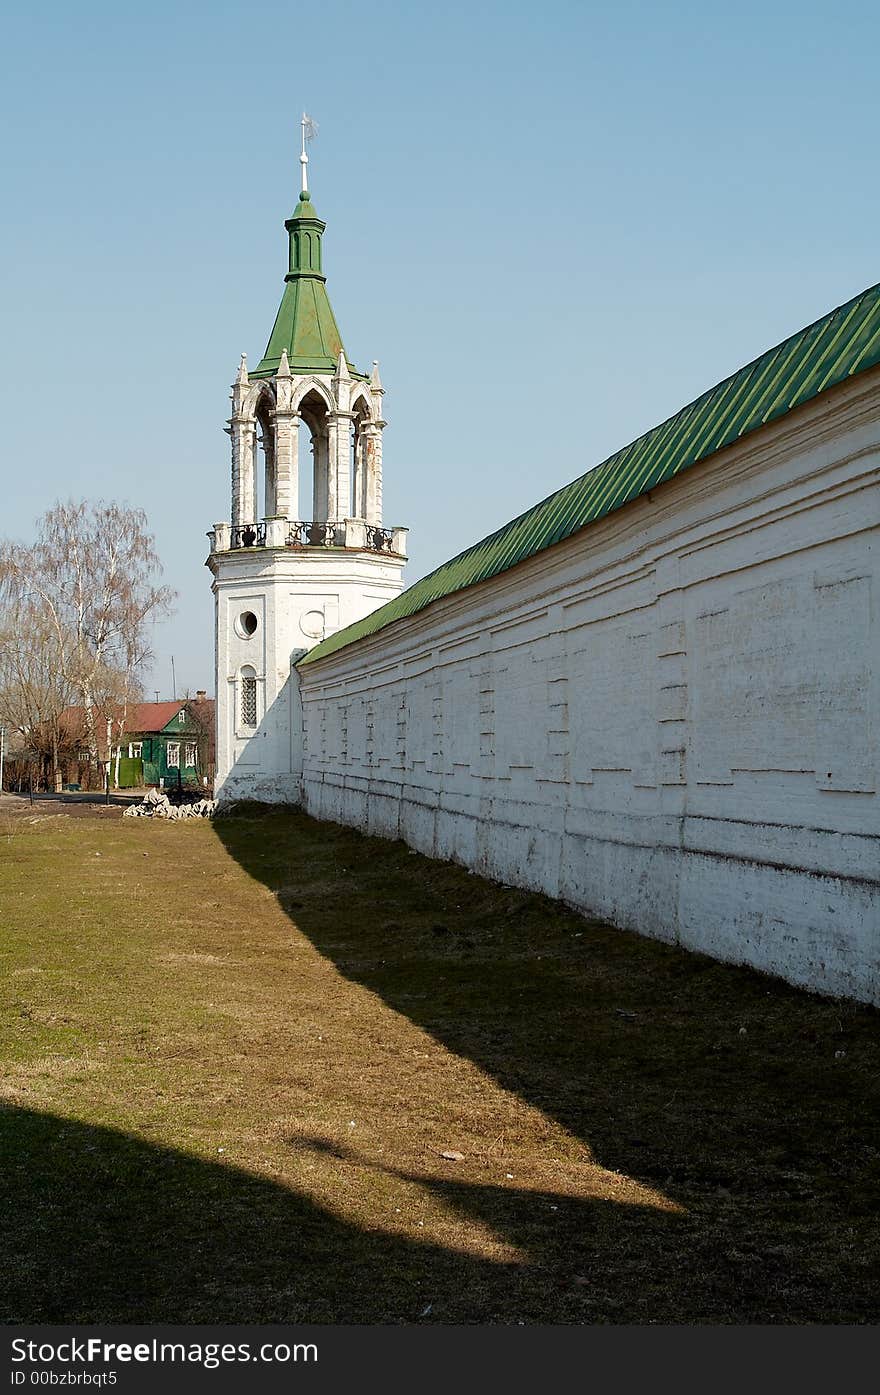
x=306 y=552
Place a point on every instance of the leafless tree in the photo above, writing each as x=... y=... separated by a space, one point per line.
x=92 y=579
x=33 y=693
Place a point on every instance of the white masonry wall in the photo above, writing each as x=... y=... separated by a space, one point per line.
x=670 y=720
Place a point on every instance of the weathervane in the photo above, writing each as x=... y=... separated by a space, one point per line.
x=309 y=131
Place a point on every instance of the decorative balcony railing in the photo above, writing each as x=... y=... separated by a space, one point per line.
x=316 y=535
x=351 y=534
x=379 y=539
x=319 y=534
x=248 y=535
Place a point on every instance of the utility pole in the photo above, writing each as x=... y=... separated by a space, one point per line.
x=173 y=681
x=109 y=759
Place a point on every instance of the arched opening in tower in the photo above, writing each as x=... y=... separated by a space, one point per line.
x=358 y=468
x=314 y=459
x=264 y=463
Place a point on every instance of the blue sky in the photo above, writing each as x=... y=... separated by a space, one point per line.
x=552 y=224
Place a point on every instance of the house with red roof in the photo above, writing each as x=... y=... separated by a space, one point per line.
x=162 y=744
x=166 y=743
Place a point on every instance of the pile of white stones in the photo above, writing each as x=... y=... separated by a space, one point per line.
x=157 y=805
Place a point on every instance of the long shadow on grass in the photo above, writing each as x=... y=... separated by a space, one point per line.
x=99 y=1226
x=751 y=1105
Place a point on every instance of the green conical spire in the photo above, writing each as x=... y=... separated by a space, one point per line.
x=305 y=324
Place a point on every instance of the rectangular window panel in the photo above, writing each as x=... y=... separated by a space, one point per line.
x=191 y=753
x=173 y=754
x=249 y=702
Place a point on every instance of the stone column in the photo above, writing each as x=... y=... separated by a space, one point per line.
x=244 y=494
x=371 y=470
x=286 y=443
x=286 y=463
x=340 y=465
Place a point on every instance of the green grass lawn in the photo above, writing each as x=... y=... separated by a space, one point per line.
x=233 y=1057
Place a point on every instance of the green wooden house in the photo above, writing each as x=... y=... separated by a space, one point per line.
x=167 y=744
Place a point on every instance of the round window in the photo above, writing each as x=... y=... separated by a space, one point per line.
x=312 y=624
x=246 y=624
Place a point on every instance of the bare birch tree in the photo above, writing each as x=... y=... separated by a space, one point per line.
x=33 y=693
x=93 y=579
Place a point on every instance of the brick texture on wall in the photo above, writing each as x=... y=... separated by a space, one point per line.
x=670 y=720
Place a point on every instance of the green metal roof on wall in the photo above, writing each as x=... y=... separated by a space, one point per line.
x=843 y=343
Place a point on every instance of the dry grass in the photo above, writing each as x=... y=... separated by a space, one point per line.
x=234 y=1057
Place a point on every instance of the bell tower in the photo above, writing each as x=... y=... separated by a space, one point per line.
x=306 y=552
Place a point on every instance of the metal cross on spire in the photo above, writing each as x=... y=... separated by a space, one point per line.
x=309 y=131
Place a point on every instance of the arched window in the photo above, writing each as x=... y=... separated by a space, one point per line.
x=248 y=697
